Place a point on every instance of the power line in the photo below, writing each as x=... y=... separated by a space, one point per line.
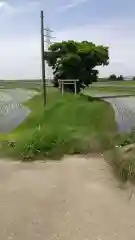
x=48 y=40
x=48 y=36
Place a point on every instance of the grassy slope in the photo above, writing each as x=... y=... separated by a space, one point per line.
x=68 y=124
x=122 y=157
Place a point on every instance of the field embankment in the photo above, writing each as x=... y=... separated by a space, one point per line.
x=67 y=125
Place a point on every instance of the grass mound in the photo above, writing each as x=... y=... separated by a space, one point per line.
x=122 y=157
x=123 y=163
x=67 y=125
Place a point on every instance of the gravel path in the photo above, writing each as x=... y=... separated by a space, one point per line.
x=12 y=112
x=76 y=199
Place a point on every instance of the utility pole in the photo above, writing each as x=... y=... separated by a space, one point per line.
x=42 y=58
x=48 y=37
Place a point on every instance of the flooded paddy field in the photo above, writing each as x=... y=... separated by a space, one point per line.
x=12 y=111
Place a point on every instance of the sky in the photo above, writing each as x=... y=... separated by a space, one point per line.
x=107 y=22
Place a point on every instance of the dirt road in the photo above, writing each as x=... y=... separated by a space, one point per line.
x=76 y=199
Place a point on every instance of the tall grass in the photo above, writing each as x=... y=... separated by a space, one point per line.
x=122 y=157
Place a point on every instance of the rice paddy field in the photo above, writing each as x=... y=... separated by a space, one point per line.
x=120 y=95
x=12 y=110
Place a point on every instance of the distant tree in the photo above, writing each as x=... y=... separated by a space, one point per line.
x=113 y=77
x=133 y=79
x=120 y=78
x=76 y=60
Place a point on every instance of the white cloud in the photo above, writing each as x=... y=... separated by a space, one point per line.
x=5 y=6
x=1 y=4
x=11 y=9
x=119 y=38
x=72 y=4
x=20 y=56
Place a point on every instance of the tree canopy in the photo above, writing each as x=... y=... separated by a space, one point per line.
x=120 y=78
x=76 y=60
x=113 y=77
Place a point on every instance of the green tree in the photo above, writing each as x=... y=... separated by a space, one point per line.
x=112 y=77
x=76 y=60
x=120 y=78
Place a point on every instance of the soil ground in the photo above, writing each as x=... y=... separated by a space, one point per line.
x=74 y=199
